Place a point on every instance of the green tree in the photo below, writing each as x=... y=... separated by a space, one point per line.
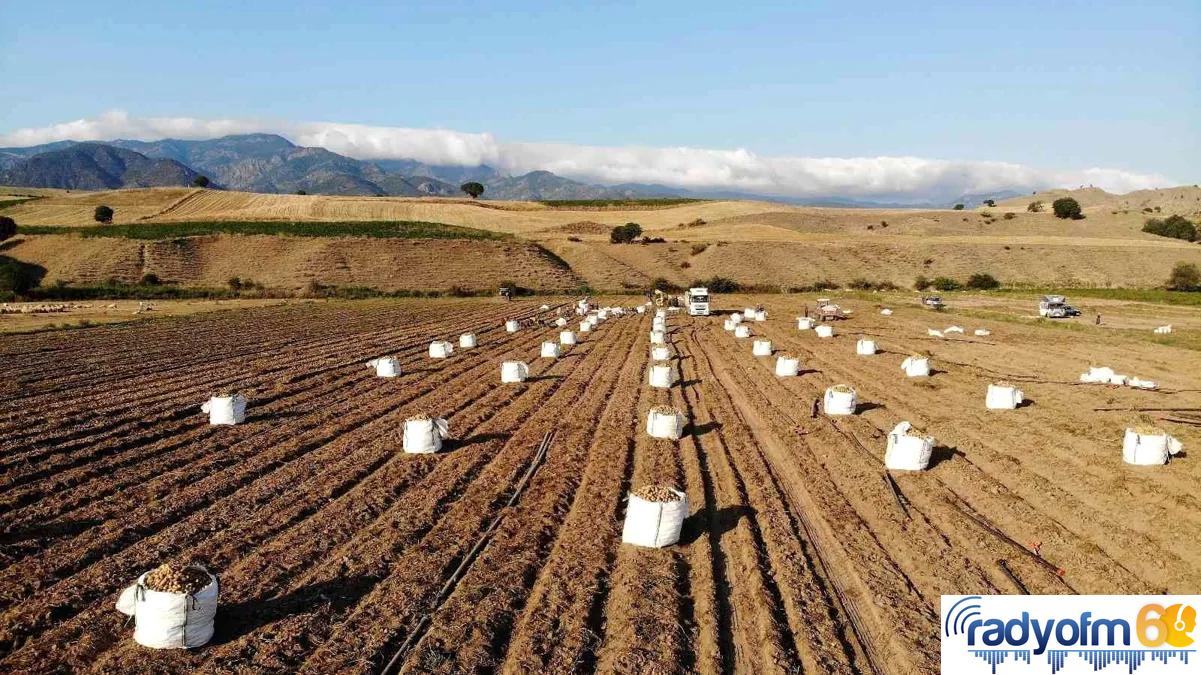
x=1066 y=207
x=1177 y=227
x=103 y=214
x=946 y=284
x=18 y=277
x=200 y=181
x=990 y=202
x=958 y=207
x=1185 y=277
x=1034 y=207
x=983 y=282
x=472 y=188
x=624 y=234
x=150 y=279
x=8 y=227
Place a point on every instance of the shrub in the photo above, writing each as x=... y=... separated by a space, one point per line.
x=698 y=249
x=685 y=265
x=472 y=188
x=624 y=234
x=921 y=283
x=1185 y=277
x=862 y=284
x=301 y=192
x=982 y=281
x=1066 y=207
x=946 y=284
x=717 y=285
x=1009 y=215
x=990 y=202
x=151 y=279
x=661 y=284
x=1035 y=207
x=103 y=214
x=958 y=207
x=8 y=227
x=234 y=283
x=200 y=181
x=576 y=239
x=883 y=223
x=654 y=240
x=17 y=277
x=1177 y=227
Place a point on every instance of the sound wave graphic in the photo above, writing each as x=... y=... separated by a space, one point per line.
x=1097 y=658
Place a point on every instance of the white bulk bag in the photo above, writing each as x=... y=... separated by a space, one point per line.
x=666 y=425
x=661 y=313
x=1148 y=447
x=640 y=309
x=170 y=620
x=512 y=372
x=1163 y=330
x=933 y=333
x=749 y=313
x=544 y=307
x=729 y=324
x=1119 y=380
x=566 y=337
x=1003 y=397
x=736 y=317
x=511 y=326
x=662 y=376
x=659 y=325
x=824 y=331
x=422 y=437
x=983 y=332
x=916 y=366
x=467 y=341
x=560 y=322
x=805 y=323
x=225 y=409
x=760 y=315
x=1097 y=375
x=787 y=366
x=386 y=366
x=658 y=338
x=585 y=326
x=660 y=353
x=654 y=524
x=886 y=312
x=440 y=349
x=907 y=453
x=602 y=314
x=840 y=400
x=761 y=348
x=952 y=329
x=1139 y=383
x=742 y=331
x=865 y=347
x=550 y=350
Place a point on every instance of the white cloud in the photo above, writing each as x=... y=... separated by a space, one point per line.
x=898 y=178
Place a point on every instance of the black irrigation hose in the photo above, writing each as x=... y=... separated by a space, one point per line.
x=452 y=582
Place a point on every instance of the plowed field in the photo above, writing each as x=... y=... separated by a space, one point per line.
x=338 y=553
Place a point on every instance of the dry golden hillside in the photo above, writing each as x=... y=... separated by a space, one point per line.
x=760 y=243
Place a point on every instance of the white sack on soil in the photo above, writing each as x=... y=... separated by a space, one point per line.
x=1148 y=447
x=422 y=437
x=907 y=452
x=385 y=366
x=170 y=620
x=654 y=524
x=512 y=372
x=225 y=410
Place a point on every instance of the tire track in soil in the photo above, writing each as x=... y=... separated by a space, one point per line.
x=856 y=563
x=471 y=630
x=377 y=623
x=801 y=598
x=654 y=614
x=125 y=535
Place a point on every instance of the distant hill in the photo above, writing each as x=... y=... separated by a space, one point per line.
x=273 y=164
x=95 y=166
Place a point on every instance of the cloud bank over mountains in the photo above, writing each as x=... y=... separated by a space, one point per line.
x=899 y=178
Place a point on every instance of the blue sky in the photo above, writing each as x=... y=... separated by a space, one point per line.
x=1056 y=86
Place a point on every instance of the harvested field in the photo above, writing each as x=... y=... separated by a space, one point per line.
x=338 y=553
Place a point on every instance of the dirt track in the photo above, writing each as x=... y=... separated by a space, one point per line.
x=801 y=552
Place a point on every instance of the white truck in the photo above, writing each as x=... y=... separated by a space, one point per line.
x=697 y=301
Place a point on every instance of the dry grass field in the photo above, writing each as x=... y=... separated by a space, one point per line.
x=801 y=552
x=757 y=243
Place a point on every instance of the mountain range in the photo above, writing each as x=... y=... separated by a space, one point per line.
x=271 y=163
